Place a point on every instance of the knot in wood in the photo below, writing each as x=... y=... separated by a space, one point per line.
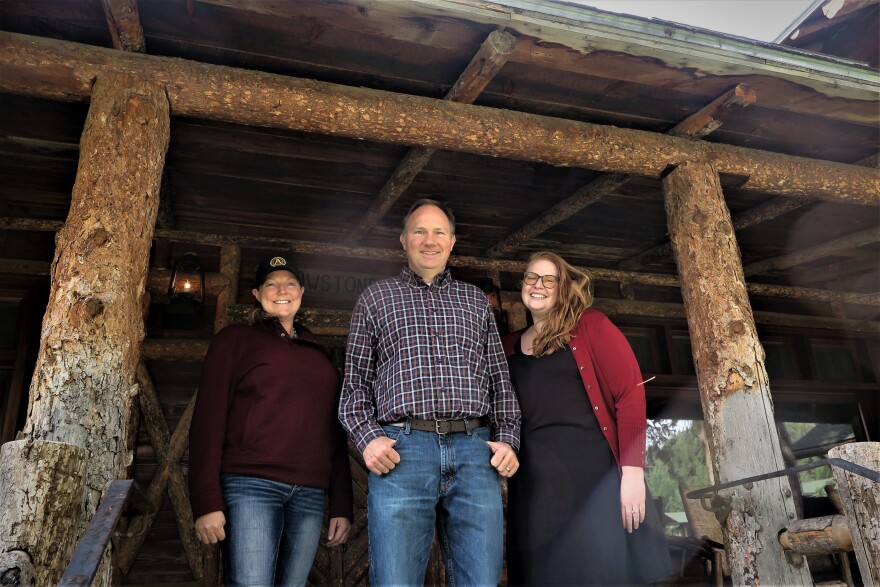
x=699 y=218
x=723 y=226
x=737 y=327
x=98 y=237
x=93 y=307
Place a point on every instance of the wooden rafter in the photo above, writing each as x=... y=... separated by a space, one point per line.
x=763 y=212
x=486 y=63
x=850 y=241
x=62 y=70
x=701 y=123
x=125 y=25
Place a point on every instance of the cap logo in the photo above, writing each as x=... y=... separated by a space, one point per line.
x=277 y=262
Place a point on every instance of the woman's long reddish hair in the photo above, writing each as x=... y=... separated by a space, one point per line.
x=574 y=296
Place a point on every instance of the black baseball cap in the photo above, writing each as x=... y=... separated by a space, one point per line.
x=276 y=263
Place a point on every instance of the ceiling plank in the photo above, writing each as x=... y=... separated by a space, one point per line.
x=695 y=126
x=487 y=62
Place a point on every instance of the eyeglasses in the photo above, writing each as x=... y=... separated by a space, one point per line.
x=549 y=281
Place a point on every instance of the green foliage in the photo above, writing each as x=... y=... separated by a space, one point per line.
x=678 y=457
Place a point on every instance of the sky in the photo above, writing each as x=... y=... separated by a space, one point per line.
x=762 y=20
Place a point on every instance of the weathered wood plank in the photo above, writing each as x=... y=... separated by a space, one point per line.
x=65 y=71
x=734 y=390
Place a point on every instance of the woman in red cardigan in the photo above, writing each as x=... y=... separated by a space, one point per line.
x=577 y=510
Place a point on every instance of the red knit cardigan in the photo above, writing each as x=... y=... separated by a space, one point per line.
x=613 y=382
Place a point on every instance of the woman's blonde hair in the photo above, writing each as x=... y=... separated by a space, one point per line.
x=574 y=295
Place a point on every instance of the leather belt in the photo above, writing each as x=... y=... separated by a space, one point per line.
x=441 y=426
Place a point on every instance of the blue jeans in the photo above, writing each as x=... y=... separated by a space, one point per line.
x=268 y=525
x=442 y=481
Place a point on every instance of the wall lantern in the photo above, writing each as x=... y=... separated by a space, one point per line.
x=187 y=280
x=186 y=293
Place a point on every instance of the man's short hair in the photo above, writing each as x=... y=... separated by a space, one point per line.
x=429 y=202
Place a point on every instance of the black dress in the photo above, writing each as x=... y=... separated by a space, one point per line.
x=564 y=525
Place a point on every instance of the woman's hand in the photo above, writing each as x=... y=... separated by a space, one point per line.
x=209 y=528
x=632 y=497
x=338 y=532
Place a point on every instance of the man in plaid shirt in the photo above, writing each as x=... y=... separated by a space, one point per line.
x=428 y=400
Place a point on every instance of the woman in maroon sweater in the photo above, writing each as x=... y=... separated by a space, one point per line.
x=577 y=510
x=265 y=443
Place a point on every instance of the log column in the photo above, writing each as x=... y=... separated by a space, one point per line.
x=83 y=387
x=733 y=382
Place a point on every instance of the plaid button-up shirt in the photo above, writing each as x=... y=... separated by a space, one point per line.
x=428 y=351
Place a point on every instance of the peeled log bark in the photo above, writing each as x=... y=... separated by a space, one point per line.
x=84 y=381
x=734 y=389
x=861 y=502
x=41 y=488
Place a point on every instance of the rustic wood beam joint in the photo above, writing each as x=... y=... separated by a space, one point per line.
x=701 y=123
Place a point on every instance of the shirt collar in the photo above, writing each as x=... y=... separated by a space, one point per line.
x=410 y=277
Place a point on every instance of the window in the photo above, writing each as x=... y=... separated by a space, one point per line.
x=834 y=360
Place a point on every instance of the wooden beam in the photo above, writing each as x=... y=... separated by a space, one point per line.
x=734 y=390
x=695 y=126
x=124 y=24
x=487 y=62
x=62 y=70
x=158 y=280
x=850 y=241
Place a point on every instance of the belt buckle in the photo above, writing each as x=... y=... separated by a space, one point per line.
x=441 y=427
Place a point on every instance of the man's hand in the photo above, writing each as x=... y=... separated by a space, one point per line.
x=503 y=458
x=338 y=532
x=632 y=497
x=379 y=455
x=209 y=528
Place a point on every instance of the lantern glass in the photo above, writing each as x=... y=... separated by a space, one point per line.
x=187 y=279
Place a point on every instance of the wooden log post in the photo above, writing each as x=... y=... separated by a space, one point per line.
x=861 y=502
x=41 y=487
x=733 y=383
x=83 y=387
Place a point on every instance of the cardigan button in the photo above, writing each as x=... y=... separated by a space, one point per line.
x=589 y=387
x=582 y=367
x=574 y=348
x=604 y=427
x=596 y=408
